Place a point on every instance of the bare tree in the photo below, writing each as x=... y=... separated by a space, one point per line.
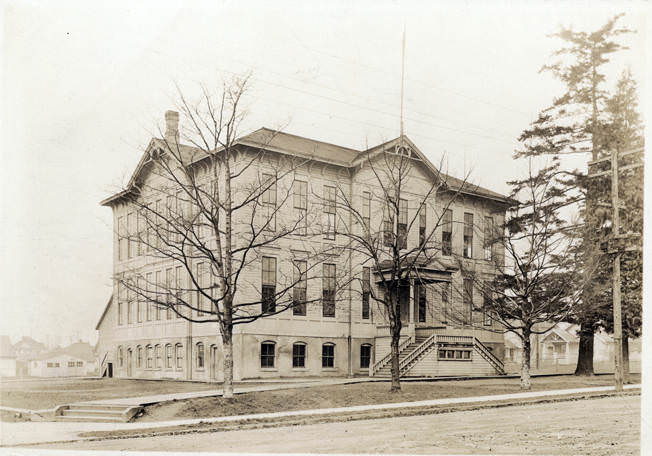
x=400 y=189
x=538 y=283
x=205 y=210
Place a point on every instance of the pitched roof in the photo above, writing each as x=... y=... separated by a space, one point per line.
x=27 y=340
x=277 y=141
x=300 y=146
x=106 y=309
x=79 y=350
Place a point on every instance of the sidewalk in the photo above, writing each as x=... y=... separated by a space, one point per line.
x=40 y=432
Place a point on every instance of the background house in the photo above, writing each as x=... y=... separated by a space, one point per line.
x=7 y=358
x=556 y=351
x=26 y=349
x=76 y=360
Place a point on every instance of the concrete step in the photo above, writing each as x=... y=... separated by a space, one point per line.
x=90 y=419
x=87 y=406
x=90 y=412
x=108 y=413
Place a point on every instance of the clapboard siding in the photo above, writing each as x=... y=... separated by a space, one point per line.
x=430 y=366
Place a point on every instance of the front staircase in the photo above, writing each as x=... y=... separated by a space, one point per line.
x=385 y=370
x=99 y=413
x=411 y=351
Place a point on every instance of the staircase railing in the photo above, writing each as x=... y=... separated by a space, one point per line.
x=444 y=338
x=102 y=364
x=490 y=357
x=380 y=364
x=406 y=363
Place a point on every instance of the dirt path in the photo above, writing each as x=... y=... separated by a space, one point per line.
x=609 y=426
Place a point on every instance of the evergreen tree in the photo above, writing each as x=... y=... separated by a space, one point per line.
x=572 y=125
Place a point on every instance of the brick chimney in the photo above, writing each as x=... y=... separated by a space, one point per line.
x=171 y=126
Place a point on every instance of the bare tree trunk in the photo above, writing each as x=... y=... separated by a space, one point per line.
x=526 y=384
x=396 y=338
x=625 y=359
x=227 y=344
x=585 y=355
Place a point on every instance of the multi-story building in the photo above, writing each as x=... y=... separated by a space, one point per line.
x=351 y=338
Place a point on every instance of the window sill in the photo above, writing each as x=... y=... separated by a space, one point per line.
x=299 y=368
x=268 y=369
x=446 y=359
x=329 y=369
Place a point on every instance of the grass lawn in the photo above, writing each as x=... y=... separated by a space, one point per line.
x=356 y=394
x=41 y=394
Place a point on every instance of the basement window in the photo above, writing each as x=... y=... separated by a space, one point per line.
x=328 y=355
x=299 y=355
x=267 y=355
x=455 y=353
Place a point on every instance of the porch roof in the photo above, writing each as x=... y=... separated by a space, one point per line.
x=425 y=271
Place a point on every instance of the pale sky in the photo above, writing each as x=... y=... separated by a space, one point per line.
x=84 y=87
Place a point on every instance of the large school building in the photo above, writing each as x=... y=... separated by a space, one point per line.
x=351 y=338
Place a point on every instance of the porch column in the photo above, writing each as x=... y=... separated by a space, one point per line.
x=412 y=303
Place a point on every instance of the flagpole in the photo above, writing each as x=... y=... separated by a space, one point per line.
x=402 y=82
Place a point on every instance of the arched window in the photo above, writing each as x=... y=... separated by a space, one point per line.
x=120 y=357
x=328 y=355
x=139 y=357
x=299 y=355
x=150 y=356
x=200 y=355
x=365 y=356
x=178 y=352
x=267 y=354
x=168 y=356
x=158 y=356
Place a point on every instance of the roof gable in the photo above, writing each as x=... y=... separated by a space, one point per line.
x=106 y=309
x=452 y=183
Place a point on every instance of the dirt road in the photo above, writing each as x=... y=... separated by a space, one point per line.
x=608 y=426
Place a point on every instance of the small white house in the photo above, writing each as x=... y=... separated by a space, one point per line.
x=77 y=360
x=556 y=350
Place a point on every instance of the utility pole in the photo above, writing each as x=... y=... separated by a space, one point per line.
x=616 y=245
x=618 y=324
